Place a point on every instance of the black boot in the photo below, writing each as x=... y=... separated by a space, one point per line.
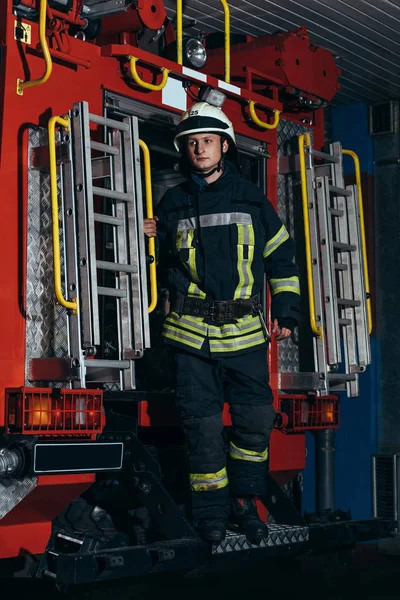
x=245 y=515
x=212 y=530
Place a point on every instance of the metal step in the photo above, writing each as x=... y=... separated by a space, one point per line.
x=344 y=247
x=106 y=148
x=348 y=302
x=108 y=220
x=105 y=193
x=341 y=267
x=338 y=191
x=325 y=156
x=278 y=535
x=105 y=265
x=114 y=292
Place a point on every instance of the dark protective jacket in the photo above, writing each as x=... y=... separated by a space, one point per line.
x=217 y=241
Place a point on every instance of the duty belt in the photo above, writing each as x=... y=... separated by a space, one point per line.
x=218 y=311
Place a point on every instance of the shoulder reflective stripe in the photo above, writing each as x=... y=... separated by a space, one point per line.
x=276 y=241
x=240 y=343
x=242 y=326
x=203 y=482
x=194 y=324
x=215 y=220
x=195 y=291
x=288 y=284
x=246 y=279
x=250 y=455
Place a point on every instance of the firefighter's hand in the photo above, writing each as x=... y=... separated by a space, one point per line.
x=280 y=333
x=150 y=227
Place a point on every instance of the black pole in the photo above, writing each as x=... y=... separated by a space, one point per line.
x=325 y=469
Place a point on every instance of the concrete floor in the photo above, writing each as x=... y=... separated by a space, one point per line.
x=369 y=575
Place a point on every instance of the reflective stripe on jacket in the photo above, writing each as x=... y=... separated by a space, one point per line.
x=218 y=241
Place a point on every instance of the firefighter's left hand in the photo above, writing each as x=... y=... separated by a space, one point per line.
x=280 y=334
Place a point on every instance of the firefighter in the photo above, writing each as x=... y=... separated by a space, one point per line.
x=220 y=234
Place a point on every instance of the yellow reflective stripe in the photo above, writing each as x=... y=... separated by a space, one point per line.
x=244 y=325
x=194 y=324
x=178 y=242
x=195 y=291
x=276 y=241
x=239 y=343
x=287 y=284
x=250 y=278
x=246 y=280
x=238 y=290
x=204 y=482
x=182 y=336
x=249 y=455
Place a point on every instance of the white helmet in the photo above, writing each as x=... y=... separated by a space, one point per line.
x=204 y=117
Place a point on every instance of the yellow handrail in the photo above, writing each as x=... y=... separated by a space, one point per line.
x=362 y=228
x=144 y=84
x=227 y=40
x=304 y=140
x=21 y=85
x=54 y=213
x=258 y=121
x=149 y=212
x=227 y=36
x=179 y=32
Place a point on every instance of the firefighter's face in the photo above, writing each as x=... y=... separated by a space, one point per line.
x=204 y=150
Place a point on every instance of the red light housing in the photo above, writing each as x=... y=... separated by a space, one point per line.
x=46 y=411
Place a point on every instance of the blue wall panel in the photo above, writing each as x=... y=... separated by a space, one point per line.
x=356 y=440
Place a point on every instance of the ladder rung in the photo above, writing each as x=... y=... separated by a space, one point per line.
x=345 y=321
x=111 y=266
x=339 y=191
x=108 y=122
x=345 y=247
x=336 y=212
x=341 y=376
x=108 y=219
x=107 y=364
x=114 y=292
x=348 y=302
x=341 y=267
x=325 y=156
x=105 y=193
x=104 y=148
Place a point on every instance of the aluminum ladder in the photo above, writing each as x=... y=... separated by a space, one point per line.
x=340 y=313
x=104 y=245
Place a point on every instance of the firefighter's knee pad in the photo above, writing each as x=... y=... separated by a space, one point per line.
x=252 y=425
x=205 y=442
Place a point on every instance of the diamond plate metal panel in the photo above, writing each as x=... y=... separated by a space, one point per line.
x=46 y=322
x=12 y=491
x=279 y=535
x=290 y=211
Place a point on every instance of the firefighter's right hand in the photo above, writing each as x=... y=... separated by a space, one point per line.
x=150 y=227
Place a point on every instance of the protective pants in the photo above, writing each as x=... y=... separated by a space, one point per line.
x=220 y=467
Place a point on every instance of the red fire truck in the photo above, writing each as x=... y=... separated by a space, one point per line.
x=92 y=464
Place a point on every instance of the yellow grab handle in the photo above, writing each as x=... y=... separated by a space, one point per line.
x=149 y=213
x=144 y=84
x=21 y=85
x=304 y=140
x=179 y=32
x=54 y=213
x=258 y=121
x=227 y=40
x=362 y=228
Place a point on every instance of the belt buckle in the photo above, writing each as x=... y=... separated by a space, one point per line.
x=218 y=311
